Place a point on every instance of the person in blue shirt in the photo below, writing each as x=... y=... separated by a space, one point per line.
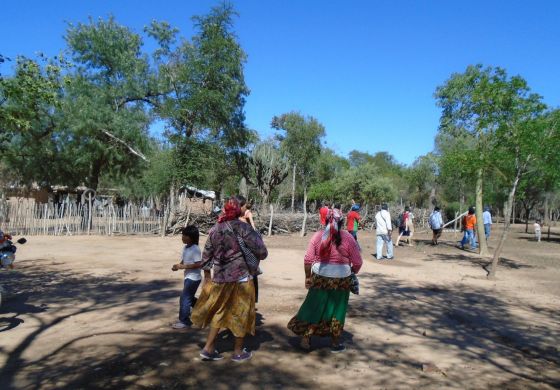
x=436 y=224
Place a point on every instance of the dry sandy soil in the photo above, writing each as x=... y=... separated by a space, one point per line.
x=94 y=312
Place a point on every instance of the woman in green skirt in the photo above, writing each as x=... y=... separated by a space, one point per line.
x=332 y=256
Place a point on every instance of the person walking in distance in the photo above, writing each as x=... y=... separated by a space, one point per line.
x=406 y=226
x=384 y=231
x=487 y=219
x=436 y=224
x=537 y=227
x=354 y=218
x=469 y=224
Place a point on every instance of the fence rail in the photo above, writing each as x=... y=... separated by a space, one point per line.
x=24 y=218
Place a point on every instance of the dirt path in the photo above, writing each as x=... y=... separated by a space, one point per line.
x=95 y=312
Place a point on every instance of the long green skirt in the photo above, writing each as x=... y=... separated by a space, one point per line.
x=324 y=310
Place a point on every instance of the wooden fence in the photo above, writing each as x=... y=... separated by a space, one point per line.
x=26 y=218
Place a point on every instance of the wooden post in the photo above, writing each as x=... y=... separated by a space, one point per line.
x=270 y=223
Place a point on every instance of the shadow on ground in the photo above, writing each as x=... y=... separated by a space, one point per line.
x=474 y=325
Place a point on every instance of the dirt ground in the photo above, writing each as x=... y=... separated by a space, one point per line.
x=94 y=312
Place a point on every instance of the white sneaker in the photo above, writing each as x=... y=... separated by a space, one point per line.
x=179 y=325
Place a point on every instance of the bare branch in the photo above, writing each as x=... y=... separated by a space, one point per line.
x=130 y=148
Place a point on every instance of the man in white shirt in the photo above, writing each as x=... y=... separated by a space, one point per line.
x=384 y=229
x=487 y=219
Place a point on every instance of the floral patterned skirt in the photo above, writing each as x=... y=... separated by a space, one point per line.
x=324 y=310
x=226 y=305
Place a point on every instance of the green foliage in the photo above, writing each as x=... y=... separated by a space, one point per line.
x=201 y=81
x=29 y=118
x=300 y=139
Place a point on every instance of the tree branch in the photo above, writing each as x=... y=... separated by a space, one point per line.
x=130 y=148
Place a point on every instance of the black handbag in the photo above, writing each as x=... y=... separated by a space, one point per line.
x=354 y=284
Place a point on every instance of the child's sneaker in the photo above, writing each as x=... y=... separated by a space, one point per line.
x=210 y=356
x=338 y=348
x=179 y=325
x=245 y=355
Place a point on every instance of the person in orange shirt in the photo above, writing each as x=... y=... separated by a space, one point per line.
x=469 y=224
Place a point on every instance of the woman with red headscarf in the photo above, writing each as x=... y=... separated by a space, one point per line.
x=227 y=299
x=332 y=256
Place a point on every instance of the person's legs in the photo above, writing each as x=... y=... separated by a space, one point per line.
x=465 y=239
x=210 y=345
x=238 y=346
x=438 y=235
x=184 y=308
x=487 y=231
x=473 y=243
x=187 y=300
x=389 y=248
x=379 y=254
x=399 y=237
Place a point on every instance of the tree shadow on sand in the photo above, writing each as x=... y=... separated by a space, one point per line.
x=474 y=324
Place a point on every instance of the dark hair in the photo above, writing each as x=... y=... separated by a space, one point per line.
x=406 y=208
x=337 y=237
x=336 y=206
x=384 y=206
x=437 y=208
x=191 y=231
x=471 y=210
x=241 y=199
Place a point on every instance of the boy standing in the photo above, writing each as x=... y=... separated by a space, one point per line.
x=190 y=262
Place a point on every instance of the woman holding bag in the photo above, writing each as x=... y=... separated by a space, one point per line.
x=227 y=299
x=332 y=257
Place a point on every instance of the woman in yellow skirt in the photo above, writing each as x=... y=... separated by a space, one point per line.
x=227 y=299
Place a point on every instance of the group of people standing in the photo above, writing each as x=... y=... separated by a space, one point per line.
x=229 y=282
x=228 y=275
x=383 y=223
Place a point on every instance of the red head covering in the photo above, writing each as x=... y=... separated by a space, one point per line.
x=231 y=211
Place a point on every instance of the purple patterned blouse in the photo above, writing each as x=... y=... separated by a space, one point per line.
x=222 y=251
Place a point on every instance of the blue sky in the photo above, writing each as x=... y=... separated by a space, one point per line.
x=366 y=69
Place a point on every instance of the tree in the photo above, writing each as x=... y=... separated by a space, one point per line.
x=266 y=168
x=471 y=105
x=30 y=117
x=106 y=129
x=527 y=139
x=301 y=141
x=422 y=177
x=201 y=81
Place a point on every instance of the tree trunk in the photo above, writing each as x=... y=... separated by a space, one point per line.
x=432 y=197
x=483 y=246
x=304 y=210
x=293 y=188
x=507 y=213
x=547 y=214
